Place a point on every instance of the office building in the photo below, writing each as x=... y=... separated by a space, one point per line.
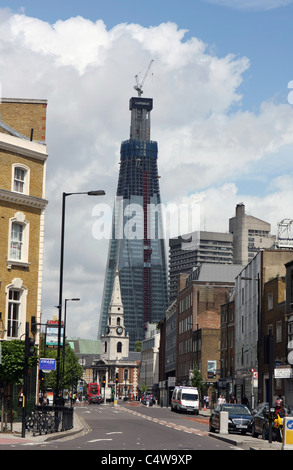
x=250 y=235
x=194 y=249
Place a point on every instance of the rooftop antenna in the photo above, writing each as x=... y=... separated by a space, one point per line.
x=138 y=86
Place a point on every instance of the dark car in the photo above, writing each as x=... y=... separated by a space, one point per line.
x=95 y=399
x=260 y=425
x=239 y=418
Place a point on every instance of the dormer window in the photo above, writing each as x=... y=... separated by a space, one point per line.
x=20 y=179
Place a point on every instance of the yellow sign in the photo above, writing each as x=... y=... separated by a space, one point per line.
x=288 y=431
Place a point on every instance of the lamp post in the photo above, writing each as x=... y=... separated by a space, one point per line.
x=64 y=330
x=64 y=195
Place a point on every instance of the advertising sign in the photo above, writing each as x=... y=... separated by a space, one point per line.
x=52 y=334
x=47 y=364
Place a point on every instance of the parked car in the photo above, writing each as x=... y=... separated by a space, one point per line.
x=239 y=418
x=260 y=425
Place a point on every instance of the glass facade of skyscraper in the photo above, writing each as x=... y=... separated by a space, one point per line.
x=137 y=247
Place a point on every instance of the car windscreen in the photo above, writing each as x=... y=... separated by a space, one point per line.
x=236 y=410
x=189 y=396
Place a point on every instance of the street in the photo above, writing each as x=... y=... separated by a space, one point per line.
x=129 y=428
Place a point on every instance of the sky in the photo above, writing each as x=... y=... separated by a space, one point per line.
x=222 y=116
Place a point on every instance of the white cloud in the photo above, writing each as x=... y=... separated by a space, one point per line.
x=207 y=144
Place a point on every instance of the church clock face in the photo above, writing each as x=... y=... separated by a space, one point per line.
x=119 y=330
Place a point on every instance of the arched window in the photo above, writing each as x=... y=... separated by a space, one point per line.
x=18 y=240
x=20 y=178
x=16 y=295
x=119 y=347
x=118 y=320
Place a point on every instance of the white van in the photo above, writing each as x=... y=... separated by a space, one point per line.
x=185 y=399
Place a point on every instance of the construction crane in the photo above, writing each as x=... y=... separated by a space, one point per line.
x=138 y=86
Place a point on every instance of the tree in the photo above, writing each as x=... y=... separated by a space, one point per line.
x=73 y=371
x=12 y=366
x=11 y=369
x=138 y=346
x=196 y=380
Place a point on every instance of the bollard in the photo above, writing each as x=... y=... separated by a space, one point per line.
x=224 y=415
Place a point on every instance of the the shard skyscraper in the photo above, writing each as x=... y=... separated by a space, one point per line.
x=137 y=247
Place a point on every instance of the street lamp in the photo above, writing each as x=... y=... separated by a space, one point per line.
x=64 y=195
x=64 y=330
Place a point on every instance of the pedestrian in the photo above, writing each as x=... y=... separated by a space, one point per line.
x=233 y=399
x=44 y=399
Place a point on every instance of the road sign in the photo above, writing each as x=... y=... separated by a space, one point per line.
x=47 y=364
x=288 y=433
x=283 y=372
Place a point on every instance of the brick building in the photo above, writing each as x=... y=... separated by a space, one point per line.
x=273 y=319
x=226 y=382
x=23 y=157
x=199 y=319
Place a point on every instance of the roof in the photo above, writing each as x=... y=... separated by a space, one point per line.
x=85 y=346
x=215 y=272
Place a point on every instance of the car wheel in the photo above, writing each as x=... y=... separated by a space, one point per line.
x=253 y=431
x=211 y=427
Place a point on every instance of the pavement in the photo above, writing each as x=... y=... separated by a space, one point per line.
x=243 y=442
x=14 y=436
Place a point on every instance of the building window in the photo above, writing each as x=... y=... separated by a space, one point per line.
x=278 y=331
x=20 y=179
x=119 y=347
x=18 y=239
x=13 y=313
x=16 y=296
x=270 y=301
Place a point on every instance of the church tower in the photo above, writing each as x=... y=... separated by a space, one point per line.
x=115 y=341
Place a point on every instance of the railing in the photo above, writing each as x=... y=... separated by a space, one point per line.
x=47 y=419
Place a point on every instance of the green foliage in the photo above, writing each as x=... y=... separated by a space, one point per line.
x=196 y=380
x=11 y=369
x=73 y=371
x=138 y=346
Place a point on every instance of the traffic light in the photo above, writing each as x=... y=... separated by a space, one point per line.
x=29 y=346
x=117 y=378
x=41 y=376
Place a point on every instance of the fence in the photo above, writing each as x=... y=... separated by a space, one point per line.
x=47 y=419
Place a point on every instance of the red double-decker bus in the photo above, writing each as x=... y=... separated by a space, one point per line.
x=93 y=391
